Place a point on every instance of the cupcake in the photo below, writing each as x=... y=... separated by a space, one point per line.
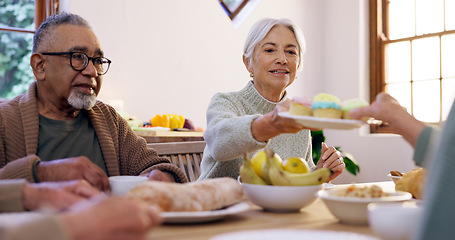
x=351 y=104
x=326 y=106
x=301 y=106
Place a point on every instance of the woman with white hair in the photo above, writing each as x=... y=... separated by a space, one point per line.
x=247 y=121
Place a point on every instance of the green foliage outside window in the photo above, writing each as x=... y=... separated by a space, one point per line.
x=16 y=47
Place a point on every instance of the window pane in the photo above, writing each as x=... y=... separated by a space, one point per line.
x=15 y=71
x=426 y=95
x=429 y=16
x=425 y=58
x=450 y=17
x=448 y=95
x=17 y=13
x=401 y=19
x=398 y=62
x=402 y=93
x=448 y=58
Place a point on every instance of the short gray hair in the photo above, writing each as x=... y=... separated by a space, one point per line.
x=52 y=22
x=260 y=30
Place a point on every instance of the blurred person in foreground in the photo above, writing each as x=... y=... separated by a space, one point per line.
x=247 y=121
x=72 y=210
x=58 y=130
x=434 y=150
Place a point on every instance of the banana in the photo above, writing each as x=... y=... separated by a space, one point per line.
x=280 y=177
x=275 y=161
x=248 y=175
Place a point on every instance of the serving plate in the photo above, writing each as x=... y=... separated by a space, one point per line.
x=204 y=216
x=321 y=123
x=273 y=234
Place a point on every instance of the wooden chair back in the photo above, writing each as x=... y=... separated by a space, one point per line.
x=186 y=155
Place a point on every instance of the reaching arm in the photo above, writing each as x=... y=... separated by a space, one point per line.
x=387 y=109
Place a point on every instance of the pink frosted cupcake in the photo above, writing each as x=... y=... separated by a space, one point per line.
x=301 y=106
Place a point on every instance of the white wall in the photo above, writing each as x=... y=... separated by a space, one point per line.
x=172 y=56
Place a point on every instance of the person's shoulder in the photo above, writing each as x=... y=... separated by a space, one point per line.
x=11 y=104
x=104 y=107
x=225 y=98
x=223 y=95
x=228 y=95
x=105 y=111
x=4 y=103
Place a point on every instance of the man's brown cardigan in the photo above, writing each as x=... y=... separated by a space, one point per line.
x=124 y=152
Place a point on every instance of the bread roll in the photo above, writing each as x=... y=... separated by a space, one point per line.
x=205 y=195
x=412 y=182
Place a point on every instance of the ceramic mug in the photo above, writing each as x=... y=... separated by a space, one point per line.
x=120 y=185
x=394 y=221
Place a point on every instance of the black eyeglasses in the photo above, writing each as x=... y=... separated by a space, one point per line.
x=79 y=61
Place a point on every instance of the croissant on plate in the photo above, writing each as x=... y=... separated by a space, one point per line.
x=412 y=182
x=204 y=195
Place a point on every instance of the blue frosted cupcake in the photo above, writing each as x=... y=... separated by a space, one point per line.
x=326 y=106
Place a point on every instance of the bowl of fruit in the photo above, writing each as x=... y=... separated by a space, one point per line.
x=280 y=186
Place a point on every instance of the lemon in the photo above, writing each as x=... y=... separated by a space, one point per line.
x=295 y=165
x=257 y=161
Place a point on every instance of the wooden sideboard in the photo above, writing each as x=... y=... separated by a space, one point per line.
x=170 y=136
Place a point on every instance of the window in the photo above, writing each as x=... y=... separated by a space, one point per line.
x=18 y=21
x=411 y=46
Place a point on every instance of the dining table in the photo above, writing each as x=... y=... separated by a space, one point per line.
x=315 y=216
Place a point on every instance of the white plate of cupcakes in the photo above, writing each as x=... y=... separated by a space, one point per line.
x=325 y=111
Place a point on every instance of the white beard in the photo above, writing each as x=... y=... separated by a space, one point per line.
x=80 y=100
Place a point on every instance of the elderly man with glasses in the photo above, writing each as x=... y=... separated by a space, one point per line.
x=58 y=130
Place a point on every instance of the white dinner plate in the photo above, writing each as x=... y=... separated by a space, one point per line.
x=321 y=123
x=290 y=234
x=204 y=216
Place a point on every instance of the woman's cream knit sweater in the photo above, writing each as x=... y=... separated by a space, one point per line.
x=228 y=134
